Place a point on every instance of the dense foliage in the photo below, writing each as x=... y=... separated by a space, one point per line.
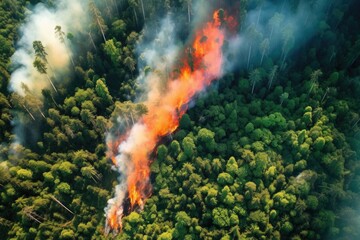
x=265 y=153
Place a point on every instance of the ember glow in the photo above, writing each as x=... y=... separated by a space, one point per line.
x=200 y=65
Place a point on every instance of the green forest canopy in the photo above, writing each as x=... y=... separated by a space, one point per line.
x=270 y=151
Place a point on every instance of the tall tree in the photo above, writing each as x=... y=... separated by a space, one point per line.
x=264 y=46
x=274 y=23
x=255 y=76
x=288 y=43
x=254 y=35
x=61 y=36
x=42 y=54
x=133 y=4
x=40 y=66
x=314 y=78
x=272 y=75
x=99 y=20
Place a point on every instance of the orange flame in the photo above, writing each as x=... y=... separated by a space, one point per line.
x=164 y=112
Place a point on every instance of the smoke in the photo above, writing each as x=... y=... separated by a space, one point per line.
x=26 y=81
x=272 y=31
x=40 y=25
x=157 y=53
x=170 y=74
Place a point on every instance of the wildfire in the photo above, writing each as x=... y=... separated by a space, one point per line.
x=164 y=112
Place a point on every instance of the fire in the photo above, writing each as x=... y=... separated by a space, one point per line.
x=198 y=69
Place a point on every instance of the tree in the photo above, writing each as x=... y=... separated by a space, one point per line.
x=225 y=178
x=133 y=4
x=264 y=46
x=272 y=75
x=41 y=60
x=112 y=50
x=314 y=78
x=130 y=63
x=274 y=23
x=206 y=138
x=41 y=68
x=119 y=28
x=232 y=166
x=283 y=97
x=61 y=35
x=98 y=19
x=102 y=91
x=255 y=76
x=188 y=6
x=259 y=164
x=189 y=147
x=40 y=50
x=288 y=43
x=254 y=35
x=221 y=217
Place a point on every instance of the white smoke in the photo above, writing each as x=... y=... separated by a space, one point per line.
x=287 y=27
x=40 y=25
x=160 y=55
x=158 y=51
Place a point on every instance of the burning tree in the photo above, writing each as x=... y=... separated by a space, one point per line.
x=134 y=146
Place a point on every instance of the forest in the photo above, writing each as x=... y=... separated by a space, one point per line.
x=180 y=119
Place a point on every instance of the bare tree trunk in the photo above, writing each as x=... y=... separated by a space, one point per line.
x=262 y=57
x=27 y=110
x=53 y=198
x=116 y=6
x=92 y=41
x=283 y=62
x=52 y=84
x=101 y=29
x=142 y=8
x=53 y=100
x=272 y=76
x=270 y=82
x=311 y=88
x=188 y=8
x=326 y=92
x=132 y=118
x=42 y=114
x=332 y=56
x=271 y=33
x=108 y=8
x=52 y=69
x=32 y=217
x=249 y=56
x=258 y=19
x=136 y=18
x=354 y=59
x=356 y=123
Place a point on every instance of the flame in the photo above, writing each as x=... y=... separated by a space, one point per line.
x=199 y=67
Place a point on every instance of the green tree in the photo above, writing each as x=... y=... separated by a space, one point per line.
x=221 y=217
x=61 y=35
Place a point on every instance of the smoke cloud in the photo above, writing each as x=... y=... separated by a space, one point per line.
x=40 y=25
x=157 y=53
x=274 y=30
x=172 y=74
